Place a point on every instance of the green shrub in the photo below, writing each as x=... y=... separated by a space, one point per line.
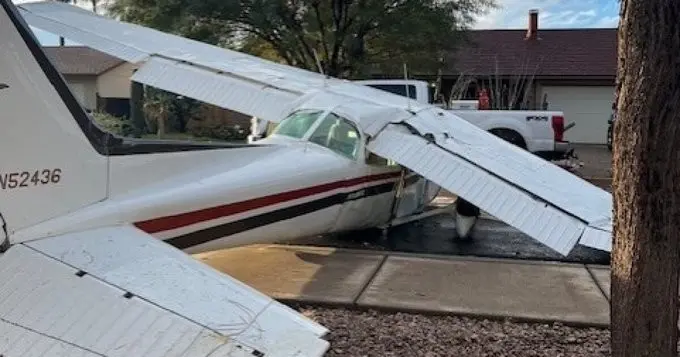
x=220 y=124
x=112 y=124
x=217 y=130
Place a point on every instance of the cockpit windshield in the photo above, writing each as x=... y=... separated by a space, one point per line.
x=297 y=124
x=333 y=132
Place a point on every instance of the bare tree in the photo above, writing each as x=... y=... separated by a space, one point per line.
x=646 y=165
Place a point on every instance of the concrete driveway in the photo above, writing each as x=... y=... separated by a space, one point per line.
x=596 y=159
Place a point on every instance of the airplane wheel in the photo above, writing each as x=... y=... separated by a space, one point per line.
x=467 y=216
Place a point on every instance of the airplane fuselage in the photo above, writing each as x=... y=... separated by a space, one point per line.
x=315 y=181
x=298 y=190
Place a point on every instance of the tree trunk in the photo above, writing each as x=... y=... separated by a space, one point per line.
x=137 y=109
x=162 y=118
x=645 y=261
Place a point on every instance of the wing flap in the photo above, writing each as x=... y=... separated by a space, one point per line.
x=510 y=204
x=16 y=340
x=598 y=238
x=176 y=304
x=249 y=97
x=75 y=315
x=515 y=165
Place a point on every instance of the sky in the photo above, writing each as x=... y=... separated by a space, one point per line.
x=514 y=14
x=511 y=14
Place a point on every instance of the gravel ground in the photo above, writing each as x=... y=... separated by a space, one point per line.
x=371 y=333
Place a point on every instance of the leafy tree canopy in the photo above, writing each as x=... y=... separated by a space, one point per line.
x=350 y=38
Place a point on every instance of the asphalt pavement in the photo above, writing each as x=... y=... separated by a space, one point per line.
x=436 y=235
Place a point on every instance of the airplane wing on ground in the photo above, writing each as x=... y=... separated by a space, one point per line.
x=544 y=201
x=117 y=291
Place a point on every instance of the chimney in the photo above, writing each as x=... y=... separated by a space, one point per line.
x=532 y=30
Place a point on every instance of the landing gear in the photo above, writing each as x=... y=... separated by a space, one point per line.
x=467 y=215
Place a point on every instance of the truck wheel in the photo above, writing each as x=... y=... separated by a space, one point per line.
x=510 y=136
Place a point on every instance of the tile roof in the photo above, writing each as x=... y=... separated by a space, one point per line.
x=80 y=60
x=563 y=52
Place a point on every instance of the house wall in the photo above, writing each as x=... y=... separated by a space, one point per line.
x=115 y=83
x=84 y=88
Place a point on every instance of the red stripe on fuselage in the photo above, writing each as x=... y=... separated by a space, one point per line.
x=184 y=219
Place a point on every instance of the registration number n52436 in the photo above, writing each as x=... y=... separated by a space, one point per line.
x=22 y=179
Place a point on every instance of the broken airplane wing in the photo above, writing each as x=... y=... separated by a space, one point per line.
x=116 y=291
x=542 y=200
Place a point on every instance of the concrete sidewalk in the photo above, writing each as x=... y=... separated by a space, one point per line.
x=494 y=288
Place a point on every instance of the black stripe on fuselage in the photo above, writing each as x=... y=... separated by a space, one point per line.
x=224 y=230
x=103 y=142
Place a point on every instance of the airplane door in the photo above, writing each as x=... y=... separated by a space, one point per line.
x=416 y=194
x=369 y=189
x=371 y=203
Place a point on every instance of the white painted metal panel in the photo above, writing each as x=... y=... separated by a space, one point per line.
x=253 y=98
x=520 y=168
x=598 y=236
x=39 y=135
x=19 y=341
x=587 y=106
x=514 y=206
x=130 y=259
x=47 y=306
x=126 y=53
x=531 y=194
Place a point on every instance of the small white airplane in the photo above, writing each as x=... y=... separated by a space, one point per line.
x=96 y=228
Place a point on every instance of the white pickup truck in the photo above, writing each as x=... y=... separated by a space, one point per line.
x=540 y=132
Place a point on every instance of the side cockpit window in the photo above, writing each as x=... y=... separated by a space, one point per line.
x=339 y=135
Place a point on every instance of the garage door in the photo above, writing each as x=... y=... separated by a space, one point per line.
x=588 y=107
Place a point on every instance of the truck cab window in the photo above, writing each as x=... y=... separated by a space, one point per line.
x=339 y=135
x=398 y=89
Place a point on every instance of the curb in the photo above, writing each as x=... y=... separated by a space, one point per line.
x=430 y=312
x=355 y=302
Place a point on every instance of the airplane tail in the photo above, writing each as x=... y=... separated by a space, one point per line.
x=53 y=160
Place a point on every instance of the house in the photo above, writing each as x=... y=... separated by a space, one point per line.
x=571 y=70
x=99 y=81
